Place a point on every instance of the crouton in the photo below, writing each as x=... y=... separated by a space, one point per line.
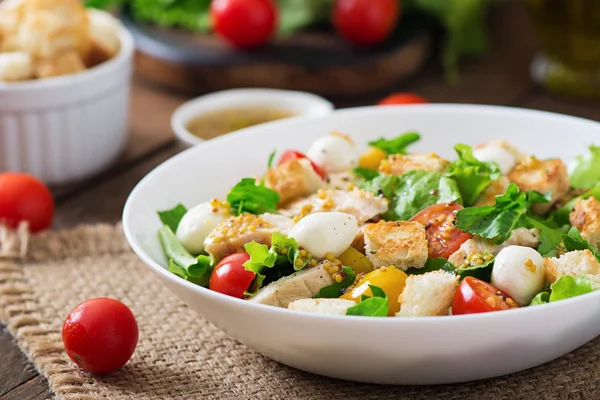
x=580 y=263
x=363 y=205
x=66 y=63
x=400 y=164
x=322 y=306
x=478 y=245
x=401 y=243
x=544 y=176
x=496 y=188
x=230 y=236
x=586 y=217
x=429 y=294
x=300 y=285
x=15 y=66
x=292 y=179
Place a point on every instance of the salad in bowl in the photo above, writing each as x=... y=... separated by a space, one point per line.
x=397 y=233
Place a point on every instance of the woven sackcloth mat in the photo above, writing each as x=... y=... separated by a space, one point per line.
x=181 y=356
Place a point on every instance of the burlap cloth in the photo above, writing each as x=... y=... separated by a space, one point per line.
x=181 y=356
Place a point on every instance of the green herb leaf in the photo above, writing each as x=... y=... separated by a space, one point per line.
x=560 y=216
x=586 y=169
x=247 y=196
x=471 y=175
x=182 y=263
x=432 y=264
x=412 y=192
x=550 y=235
x=366 y=173
x=574 y=242
x=334 y=290
x=397 y=145
x=480 y=271
x=376 y=306
x=564 y=288
x=172 y=217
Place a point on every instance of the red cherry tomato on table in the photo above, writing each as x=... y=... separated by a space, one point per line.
x=100 y=335
x=289 y=154
x=442 y=236
x=244 y=23
x=402 y=98
x=365 y=22
x=25 y=198
x=230 y=277
x=476 y=296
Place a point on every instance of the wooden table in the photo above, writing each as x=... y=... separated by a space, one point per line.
x=501 y=78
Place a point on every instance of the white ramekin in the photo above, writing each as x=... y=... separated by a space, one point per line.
x=299 y=103
x=67 y=128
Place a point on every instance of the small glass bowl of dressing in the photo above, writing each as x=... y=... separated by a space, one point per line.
x=220 y=113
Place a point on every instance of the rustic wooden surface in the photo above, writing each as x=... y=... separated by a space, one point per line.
x=502 y=77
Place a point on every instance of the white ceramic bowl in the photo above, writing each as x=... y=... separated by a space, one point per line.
x=67 y=128
x=426 y=350
x=299 y=103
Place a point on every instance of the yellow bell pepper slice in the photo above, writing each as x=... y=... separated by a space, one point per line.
x=357 y=260
x=372 y=158
x=390 y=279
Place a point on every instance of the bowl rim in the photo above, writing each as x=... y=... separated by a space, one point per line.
x=284 y=312
x=317 y=105
x=125 y=53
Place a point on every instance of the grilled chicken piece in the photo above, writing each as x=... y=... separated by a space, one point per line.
x=230 y=236
x=300 y=285
x=363 y=205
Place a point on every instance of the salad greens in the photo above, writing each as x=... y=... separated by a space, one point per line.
x=376 y=306
x=471 y=175
x=182 y=263
x=335 y=289
x=172 y=217
x=397 y=145
x=412 y=192
x=247 y=196
x=550 y=235
x=432 y=264
x=561 y=215
x=480 y=271
x=586 y=169
x=564 y=288
x=573 y=242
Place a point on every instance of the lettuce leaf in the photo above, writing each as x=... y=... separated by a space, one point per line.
x=172 y=217
x=564 y=288
x=550 y=234
x=334 y=290
x=365 y=173
x=585 y=169
x=412 y=192
x=560 y=216
x=182 y=263
x=471 y=175
x=397 y=145
x=480 y=271
x=432 y=264
x=376 y=306
x=247 y=196
x=574 y=242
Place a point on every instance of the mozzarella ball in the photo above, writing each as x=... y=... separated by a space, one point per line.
x=501 y=156
x=333 y=153
x=196 y=224
x=519 y=272
x=327 y=232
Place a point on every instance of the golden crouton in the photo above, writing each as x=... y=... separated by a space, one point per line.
x=399 y=164
x=399 y=243
x=292 y=179
x=496 y=188
x=429 y=294
x=65 y=63
x=581 y=263
x=544 y=176
x=586 y=217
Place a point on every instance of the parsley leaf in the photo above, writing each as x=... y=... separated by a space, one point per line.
x=564 y=288
x=432 y=264
x=574 y=242
x=412 y=192
x=471 y=175
x=376 y=306
x=247 y=196
x=397 y=145
x=334 y=290
x=182 y=263
x=172 y=217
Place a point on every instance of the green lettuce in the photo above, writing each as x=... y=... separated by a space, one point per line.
x=172 y=217
x=432 y=264
x=365 y=173
x=412 y=192
x=586 y=169
x=471 y=175
x=247 y=196
x=397 y=145
x=481 y=271
x=564 y=288
x=560 y=216
x=334 y=290
x=376 y=306
x=550 y=234
x=574 y=242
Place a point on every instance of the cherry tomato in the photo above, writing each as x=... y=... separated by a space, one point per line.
x=289 y=154
x=244 y=23
x=476 y=296
x=402 y=98
x=100 y=335
x=443 y=237
x=25 y=198
x=230 y=277
x=365 y=22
